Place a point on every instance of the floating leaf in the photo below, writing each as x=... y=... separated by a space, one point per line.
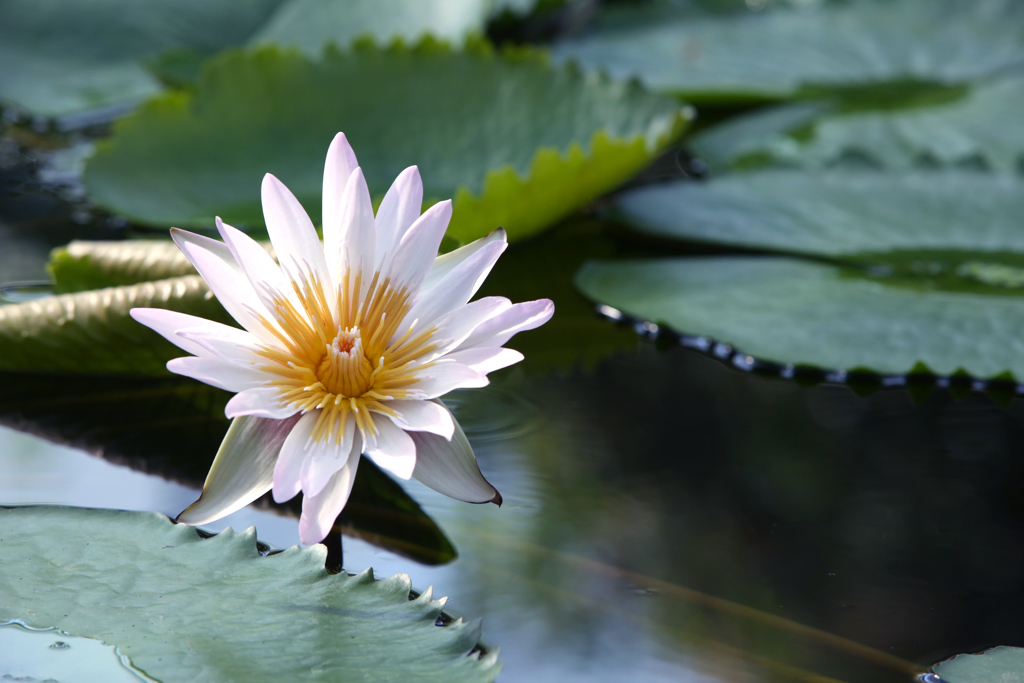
x=980 y=127
x=187 y=609
x=65 y=57
x=1003 y=664
x=82 y=265
x=791 y=311
x=513 y=141
x=173 y=426
x=93 y=332
x=774 y=54
x=838 y=213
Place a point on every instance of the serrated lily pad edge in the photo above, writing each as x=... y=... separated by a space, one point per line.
x=634 y=152
x=664 y=336
x=486 y=655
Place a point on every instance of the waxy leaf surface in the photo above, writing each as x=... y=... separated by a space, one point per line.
x=515 y=142
x=187 y=609
x=802 y=313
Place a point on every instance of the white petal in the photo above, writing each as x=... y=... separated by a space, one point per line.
x=449 y=467
x=240 y=348
x=502 y=327
x=287 y=483
x=394 y=450
x=461 y=322
x=217 y=265
x=219 y=373
x=292 y=233
x=457 y=287
x=487 y=358
x=423 y=416
x=353 y=248
x=261 y=270
x=320 y=511
x=445 y=263
x=338 y=167
x=417 y=250
x=323 y=459
x=260 y=401
x=444 y=377
x=243 y=469
x=167 y=323
x=397 y=212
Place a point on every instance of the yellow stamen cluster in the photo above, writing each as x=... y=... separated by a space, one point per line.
x=352 y=363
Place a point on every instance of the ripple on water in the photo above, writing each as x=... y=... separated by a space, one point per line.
x=50 y=655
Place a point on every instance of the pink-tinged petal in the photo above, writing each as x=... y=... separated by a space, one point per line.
x=243 y=469
x=338 y=167
x=397 y=212
x=264 y=274
x=445 y=263
x=444 y=377
x=287 y=482
x=417 y=250
x=219 y=373
x=461 y=322
x=354 y=247
x=241 y=348
x=423 y=416
x=217 y=265
x=261 y=402
x=320 y=511
x=487 y=358
x=292 y=233
x=457 y=287
x=502 y=327
x=449 y=467
x=167 y=323
x=394 y=450
x=323 y=459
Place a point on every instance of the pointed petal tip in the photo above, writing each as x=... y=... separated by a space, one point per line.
x=497 y=500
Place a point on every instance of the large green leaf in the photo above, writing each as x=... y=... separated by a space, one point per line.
x=64 y=57
x=791 y=311
x=187 y=609
x=775 y=54
x=172 y=427
x=981 y=126
x=1002 y=664
x=92 y=332
x=512 y=140
x=83 y=265
x=838 y=213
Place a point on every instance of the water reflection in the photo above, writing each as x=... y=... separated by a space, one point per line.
x=52 y=656
x=667 y=518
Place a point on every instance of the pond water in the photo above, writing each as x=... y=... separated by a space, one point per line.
x=668 y=518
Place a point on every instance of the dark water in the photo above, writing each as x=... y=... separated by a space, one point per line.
x=666 y=517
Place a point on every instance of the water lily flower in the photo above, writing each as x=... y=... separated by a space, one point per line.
x=346 y=348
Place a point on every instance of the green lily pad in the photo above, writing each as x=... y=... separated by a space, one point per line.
x=92 y=332
x=1003 y=664
x=64 y=57
x=981 y=127
x=82 y=265
x=796 y=312
x=775 y=54
x=187 y=609
x=515 y=142
x=69 y=57
x=839 y=213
